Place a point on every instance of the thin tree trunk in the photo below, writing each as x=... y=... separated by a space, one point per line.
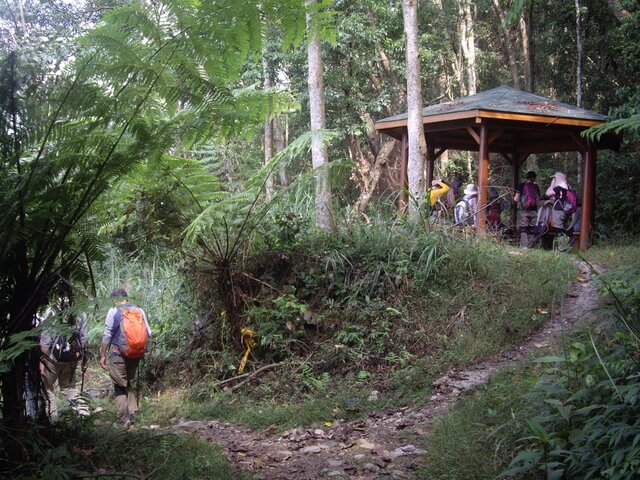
x=319 y=154
x=268 y=129
x=509 y=43
x=280 y=143
x=528 y=54
x=527 y=50
x=468 y=49
x=416 y=141
x=444 y=85
x=580 y=52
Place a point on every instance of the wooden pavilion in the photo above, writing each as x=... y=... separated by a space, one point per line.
x=514 y=124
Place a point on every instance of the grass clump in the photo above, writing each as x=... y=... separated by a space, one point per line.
x=75 y=448
x=475 y=440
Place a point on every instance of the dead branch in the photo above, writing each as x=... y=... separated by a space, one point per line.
x=251 y=376
x=229 y=380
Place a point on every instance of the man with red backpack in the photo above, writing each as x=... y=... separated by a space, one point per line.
x=527 y=197
x=126 y=334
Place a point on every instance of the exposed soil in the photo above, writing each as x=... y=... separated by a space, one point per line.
x=387 y=443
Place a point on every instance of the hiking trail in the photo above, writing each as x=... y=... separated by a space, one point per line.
x=387 y=444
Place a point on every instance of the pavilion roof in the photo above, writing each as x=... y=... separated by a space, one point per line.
x=539 y=123
x=507 y=100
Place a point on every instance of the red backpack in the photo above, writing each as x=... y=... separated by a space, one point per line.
x=572 y=199
x=133 y=332
x=529 y=196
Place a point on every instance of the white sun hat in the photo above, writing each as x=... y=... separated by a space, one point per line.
x=471 y=189
x=559 y=180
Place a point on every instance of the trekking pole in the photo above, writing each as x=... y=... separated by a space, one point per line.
x=84 y=353
x=138 y=383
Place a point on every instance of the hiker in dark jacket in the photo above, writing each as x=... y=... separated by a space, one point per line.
x=527 y=198
x=60 y=355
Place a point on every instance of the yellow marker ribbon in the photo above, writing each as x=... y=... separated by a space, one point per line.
x=248 y=343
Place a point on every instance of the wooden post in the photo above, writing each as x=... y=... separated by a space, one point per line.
x=483 y=179
x=431 y=158
x=515 y=177
x=588 y=193
x=404 y=179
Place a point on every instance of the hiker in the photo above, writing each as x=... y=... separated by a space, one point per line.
x=126 y=333
x=60 y=354
x=564 y=206
x=557 y=207
x=527 y=197
x=453 y=195
x=439 y=189
x=466 y=209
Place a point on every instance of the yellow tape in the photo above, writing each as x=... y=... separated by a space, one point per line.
x=248 y=343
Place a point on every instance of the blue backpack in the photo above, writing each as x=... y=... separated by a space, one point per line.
x=461 y=213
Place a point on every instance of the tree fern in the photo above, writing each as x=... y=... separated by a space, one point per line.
x=629 y=125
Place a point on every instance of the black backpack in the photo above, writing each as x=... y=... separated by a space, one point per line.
x=66 y=350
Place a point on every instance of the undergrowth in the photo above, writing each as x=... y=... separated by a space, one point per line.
x=374 y=308
x=382 y=307
x=570 y=414
x=76 y=448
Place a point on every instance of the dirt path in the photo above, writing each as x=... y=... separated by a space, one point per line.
x=387 y=443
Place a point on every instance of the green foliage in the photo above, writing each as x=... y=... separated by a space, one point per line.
x=280 y=323
x=618 y=207
x=588 y=426
x=75 y=448
x=14 y=346
x=574 y=411
x=587 y=422
x=149 y=76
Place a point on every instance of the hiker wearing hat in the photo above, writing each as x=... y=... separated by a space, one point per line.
x=466 y=209
x=527 y=197
x=438 y=189
x=124 y=342
x=563 y=203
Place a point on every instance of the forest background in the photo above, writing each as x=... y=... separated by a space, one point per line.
x=166 y=147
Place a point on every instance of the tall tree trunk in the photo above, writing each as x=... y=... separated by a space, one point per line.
x=580 y=53
x=280 y=143
x=468 y=49
x=416 y=141
x=509 y=43
x=268 y=129
x=467 y=42
x=319 y=154
x=444 y=85
x=527 y=48
x=524 y=23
